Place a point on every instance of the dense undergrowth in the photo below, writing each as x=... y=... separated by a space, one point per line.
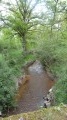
x=53 y=55
x=11 y=69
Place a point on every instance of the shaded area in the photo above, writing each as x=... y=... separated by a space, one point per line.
x=31 y=93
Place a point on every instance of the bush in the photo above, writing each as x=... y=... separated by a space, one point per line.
x=7 y=86
x=53 y=54
x=61 y=91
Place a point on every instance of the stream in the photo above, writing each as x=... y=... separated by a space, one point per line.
x=32 y=92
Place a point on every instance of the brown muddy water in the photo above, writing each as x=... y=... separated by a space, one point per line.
x=31 y=94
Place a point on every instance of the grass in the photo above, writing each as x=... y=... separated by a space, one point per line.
x=52 y=113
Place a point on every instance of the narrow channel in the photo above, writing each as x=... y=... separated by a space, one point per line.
x=32 y=92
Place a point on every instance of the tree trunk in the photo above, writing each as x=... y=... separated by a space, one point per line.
x=24 y=44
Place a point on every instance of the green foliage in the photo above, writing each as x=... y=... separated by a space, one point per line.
x=11 y=62
x=61 y=90
x=10 y=69
x=53 y=54
x=22 y=31
x=21 y=19
x=7 y=86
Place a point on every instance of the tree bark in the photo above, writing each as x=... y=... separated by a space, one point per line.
x=24 y=44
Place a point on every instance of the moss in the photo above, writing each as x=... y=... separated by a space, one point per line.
x=53 y=113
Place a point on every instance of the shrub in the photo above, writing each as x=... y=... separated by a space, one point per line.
x=7 y=86
x=53 y=54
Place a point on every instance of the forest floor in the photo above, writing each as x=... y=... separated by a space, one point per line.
x=52 y=113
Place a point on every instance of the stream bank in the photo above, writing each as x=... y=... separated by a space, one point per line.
x=32 y=92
